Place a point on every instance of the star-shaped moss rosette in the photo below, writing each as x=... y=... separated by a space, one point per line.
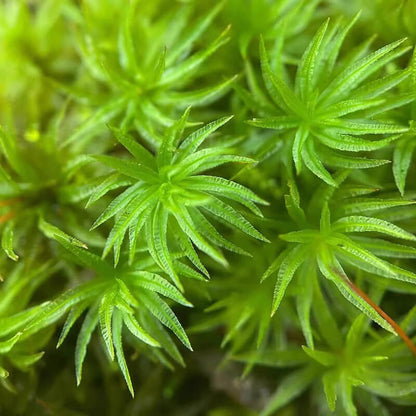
x=172 y=201
x=334 y=245
x=322 y=117
x=133 y=298
x=151 y=73
x=359 y=371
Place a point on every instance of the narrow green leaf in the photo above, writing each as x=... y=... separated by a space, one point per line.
x=156 y=283
x=306 y=73
x=194 y=140
x=287 y=269
x=385 y=248
x=355 y=127
x=281 y=94
x=111 y=182
x=226 y=188
x=186 y=245
x=129 y=168
x=119 y=203
x=301 y=137
x=54 y=310
x=186 y=41
x=86 y=258
x=156 y=236
x=275 y=123
x=138 y=331
x=142 y=203
x=7 y=241
x=330 y=379
x=105 y=314
x=54 y=232
x=345 y=245
x=303 y=236
x=337 y=141
x=117 y=332
x=344 y=161
x=346 y=399
x=231 y=217
x=6 y=346
x=160 y=67
x=356 y=223
x=362 y=205
x=200 y=97
x=304 y=301
x=402 y=158
x=349 y=106
x=165 y=315
x=358 y=71
x=187 y=67
x=75 y=312
x=188 y=227
x=105 y=114
x=334 y=47
x=379 y=86
x=333 y=271
x=327 y=359
x=87 y=328
x=140 y=153
x=314 y=164
x=127 y=53
x=209 y=231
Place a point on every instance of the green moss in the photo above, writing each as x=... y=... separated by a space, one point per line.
x=249 y=164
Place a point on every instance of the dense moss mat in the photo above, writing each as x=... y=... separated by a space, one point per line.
x=207 y=208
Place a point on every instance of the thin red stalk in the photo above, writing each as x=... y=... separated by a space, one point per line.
x=6 y=202
x=5 y=217
x=383 y=314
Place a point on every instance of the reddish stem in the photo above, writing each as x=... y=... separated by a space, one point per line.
x=5 y=217
x=383 y=314
x=6 y=202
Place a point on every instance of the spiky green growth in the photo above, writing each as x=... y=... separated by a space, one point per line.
x=403 y=152
x=332 y=103
x=281 y=19
x=128 y=296
x=336 y=243
x=355 y=371
x=148 y=70
x=241 y=305
x=390 y=19
x=35 y=178
x=332 y=107
x=171 y=200
x=15 y=295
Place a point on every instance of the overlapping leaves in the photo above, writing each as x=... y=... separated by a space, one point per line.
x=172 y=202
x=149 y=69
x=35 y=178
x=356 y=370
x=125 y=297
x=334 y=106
x=335 y=245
